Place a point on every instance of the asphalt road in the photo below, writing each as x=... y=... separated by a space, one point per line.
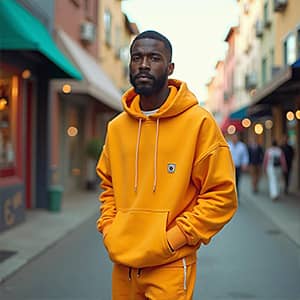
x=249 y=259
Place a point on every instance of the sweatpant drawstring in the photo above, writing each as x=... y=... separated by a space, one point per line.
x=129 y=273
x=139 y=272
x=184 y=274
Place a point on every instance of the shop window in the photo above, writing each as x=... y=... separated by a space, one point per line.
x=76 y=2
x=118 y=42
x=264 y=71
x=298 y=43
x=107 y=27
x=267 y=20
x=8 y=112
x=289 y=48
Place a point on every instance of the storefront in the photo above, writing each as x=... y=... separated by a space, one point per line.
x=83 y=110
x=29 y=58
x=279 y=105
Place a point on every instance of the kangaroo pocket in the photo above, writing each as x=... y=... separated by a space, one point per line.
x=137 y=238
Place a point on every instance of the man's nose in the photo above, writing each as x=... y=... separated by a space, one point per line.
x=145 y=62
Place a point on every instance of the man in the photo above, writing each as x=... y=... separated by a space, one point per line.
x=256 y=157
x=167 y=179
x=288 y=152
x=240 y=157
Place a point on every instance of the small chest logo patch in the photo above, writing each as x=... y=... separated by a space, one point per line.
x=171 y=168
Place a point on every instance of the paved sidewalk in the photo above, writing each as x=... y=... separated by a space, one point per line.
x=285 y=212
x=43 y=228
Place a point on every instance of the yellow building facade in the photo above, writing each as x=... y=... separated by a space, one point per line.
x=115 y=34
x=287 y=29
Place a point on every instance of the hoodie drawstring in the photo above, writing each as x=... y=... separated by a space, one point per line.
x=137 y=156
x=155 y=155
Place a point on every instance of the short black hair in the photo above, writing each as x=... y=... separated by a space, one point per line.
x=151 y=34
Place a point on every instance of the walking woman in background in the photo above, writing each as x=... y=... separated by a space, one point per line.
x=274 y=164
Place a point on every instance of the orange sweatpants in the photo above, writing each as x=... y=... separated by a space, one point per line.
x=156 y=283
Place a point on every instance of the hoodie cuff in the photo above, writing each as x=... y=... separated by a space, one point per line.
x=176 y=238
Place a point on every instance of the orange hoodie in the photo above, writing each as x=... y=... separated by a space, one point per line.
x=169 y=172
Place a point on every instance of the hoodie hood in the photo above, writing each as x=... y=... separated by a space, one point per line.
x=179 y=100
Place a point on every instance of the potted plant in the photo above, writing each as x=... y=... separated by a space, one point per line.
x=93 y=150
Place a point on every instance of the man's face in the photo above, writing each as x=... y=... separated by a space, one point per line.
x=234 y=138
x=149 y=66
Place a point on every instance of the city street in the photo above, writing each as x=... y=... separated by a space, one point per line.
x=125 y=104
x=250 y=259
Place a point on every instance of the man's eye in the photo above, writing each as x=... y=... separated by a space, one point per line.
x=155 y=58
x=135 y=58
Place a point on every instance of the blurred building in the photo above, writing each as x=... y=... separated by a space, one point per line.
x=278 y=98
x=215 y=95
x=266 y=74
x=29 y=59
x=80 y=109
x=115 y=34
x=57 y=93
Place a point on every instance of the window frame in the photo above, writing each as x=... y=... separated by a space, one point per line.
x=108 y=27
x=289 y=55
x=17 y=110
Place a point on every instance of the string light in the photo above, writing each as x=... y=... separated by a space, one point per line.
x=3 y=103
x=66 y=88
x=269 y=124
x=258 y=128
x=246 y=122
x=26 y=74
x=231 y=129
x=72 y=131
x=290 y=116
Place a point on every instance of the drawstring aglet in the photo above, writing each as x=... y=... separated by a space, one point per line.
x=139 y=272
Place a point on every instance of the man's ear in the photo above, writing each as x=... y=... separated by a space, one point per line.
x=171 y=68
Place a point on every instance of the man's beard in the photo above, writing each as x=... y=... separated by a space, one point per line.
x=156 y=86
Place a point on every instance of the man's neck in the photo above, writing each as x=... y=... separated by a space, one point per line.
x=154 y=101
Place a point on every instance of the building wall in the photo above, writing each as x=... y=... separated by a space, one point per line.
x=229 y=66
x=218 y=93
x=130 y=30
x=110 y=44
x=210 y=103
x=43 y=10
x=24 y=183
x=113 y=49
x=267 y=43
x=287 y=22
x=68 y=161
x=242 y=44
x=70 y=15
x=247 y=51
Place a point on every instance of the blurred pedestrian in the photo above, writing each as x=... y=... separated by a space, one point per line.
x=256 y=157
x=167 y=179
x=240 y=156
x=274 y=164
x=288 y=152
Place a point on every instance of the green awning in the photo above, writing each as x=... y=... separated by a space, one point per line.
x=20 y=30
x=239 y=114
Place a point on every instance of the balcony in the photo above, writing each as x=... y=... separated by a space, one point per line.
x=250 y=81
x=259 y=28
x=87 y=32
x=280 y=5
